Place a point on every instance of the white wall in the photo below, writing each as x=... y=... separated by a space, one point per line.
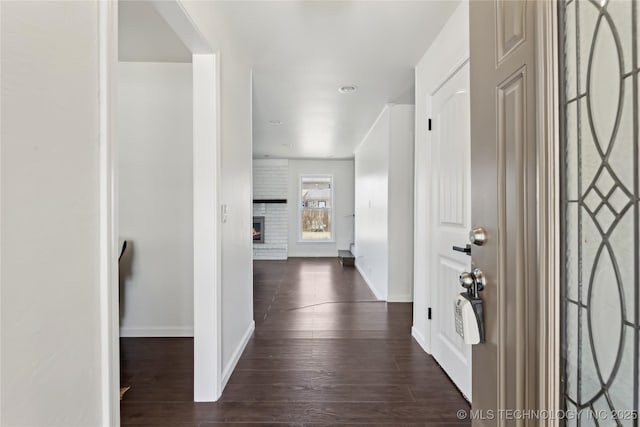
x=401 y=136
x=372 y=198
x=50 y=315
x=237 y=242
x=451 y=45
x=235 y=185
x=343 y=194
x=51 y=354
x=384 y=204
x=155 y=147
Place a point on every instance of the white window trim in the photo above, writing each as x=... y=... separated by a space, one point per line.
x=333 y=209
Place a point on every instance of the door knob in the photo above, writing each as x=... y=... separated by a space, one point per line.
x=466 y=280
x=478 y=236
x=473 y=282
x=479 y=278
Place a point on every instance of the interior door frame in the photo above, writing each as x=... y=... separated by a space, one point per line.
x=549 y=221
x=206 y=216
x=108 y=205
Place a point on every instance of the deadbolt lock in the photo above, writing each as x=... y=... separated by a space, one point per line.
x=478 y=236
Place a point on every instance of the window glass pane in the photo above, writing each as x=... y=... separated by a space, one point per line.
x=316 y=208
x=601 y=206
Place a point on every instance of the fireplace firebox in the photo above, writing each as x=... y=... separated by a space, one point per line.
x=258 y=229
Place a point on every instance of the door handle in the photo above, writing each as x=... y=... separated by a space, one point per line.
x=473 y=282
x=466 y=249
x=467 y=280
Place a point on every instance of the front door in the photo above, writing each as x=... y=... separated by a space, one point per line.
x=503 y=188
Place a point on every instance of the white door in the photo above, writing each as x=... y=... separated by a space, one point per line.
x=451 y=215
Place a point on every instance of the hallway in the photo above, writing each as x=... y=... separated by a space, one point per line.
x=323 y=354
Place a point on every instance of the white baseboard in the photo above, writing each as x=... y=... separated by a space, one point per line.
x=419 y=339
x=369 y=283
x=164 y=331
x=231 y=365
x=323 y=255
x=400 y=298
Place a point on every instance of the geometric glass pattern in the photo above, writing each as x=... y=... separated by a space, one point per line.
x=600 y=154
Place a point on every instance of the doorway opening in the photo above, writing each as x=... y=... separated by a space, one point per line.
x=154 y=137
x=170 y=167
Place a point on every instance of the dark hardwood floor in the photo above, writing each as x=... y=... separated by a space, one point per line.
x=324 y=353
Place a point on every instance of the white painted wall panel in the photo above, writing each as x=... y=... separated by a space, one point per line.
x=235 y=186
x=155 y=147
x=384 y=204
x=401 y=203
x=237 y=242
x=372 y=206
x=50 y=315
x=235 y=134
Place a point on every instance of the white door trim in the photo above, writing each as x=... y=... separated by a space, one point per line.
x=207 y=310
x=108 y=235
x=207 y=259
x=549 y=225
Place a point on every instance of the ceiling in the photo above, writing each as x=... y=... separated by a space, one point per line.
x=303 y=51
x=144 y=36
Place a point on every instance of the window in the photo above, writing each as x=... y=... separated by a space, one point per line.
x=316 y=208
x=600 y=290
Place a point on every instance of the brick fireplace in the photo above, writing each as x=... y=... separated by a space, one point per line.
x=270 y=188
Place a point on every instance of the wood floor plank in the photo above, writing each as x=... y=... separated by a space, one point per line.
x=317 y=392
x=331 y=378
x=324 y=353
x=435 y=410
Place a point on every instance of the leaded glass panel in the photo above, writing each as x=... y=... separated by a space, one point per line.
x=599 y=78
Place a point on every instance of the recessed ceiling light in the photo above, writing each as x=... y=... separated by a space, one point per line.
x=347 y=89
x=275 y=122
